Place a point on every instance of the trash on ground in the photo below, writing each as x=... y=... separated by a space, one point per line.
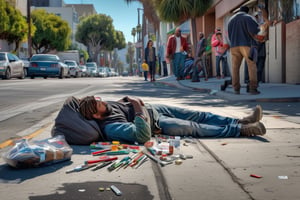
x=255 y=176
x=26 y=154
x=283 y=177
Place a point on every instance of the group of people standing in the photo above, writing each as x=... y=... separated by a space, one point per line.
x=244 y=43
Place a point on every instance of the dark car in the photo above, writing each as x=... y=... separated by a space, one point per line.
x=11 y=66
x=47 y=65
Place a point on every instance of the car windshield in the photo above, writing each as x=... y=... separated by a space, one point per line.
x=90 y=65
x=44 y=58
x=69 y=63
x=2 y=56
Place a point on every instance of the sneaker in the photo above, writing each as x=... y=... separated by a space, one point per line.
x=253 y=129
x=254 y=117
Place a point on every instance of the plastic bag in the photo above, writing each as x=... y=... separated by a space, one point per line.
x=25 y=154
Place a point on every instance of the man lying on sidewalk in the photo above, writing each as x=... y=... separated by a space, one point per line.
x=130 y=120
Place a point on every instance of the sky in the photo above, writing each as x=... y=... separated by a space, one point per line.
x=125 y=16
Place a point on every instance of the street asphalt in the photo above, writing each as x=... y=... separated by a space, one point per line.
x=259 y=168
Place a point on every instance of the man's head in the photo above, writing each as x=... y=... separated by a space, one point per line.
x=201 y=35
x=244 y=9
x=91 y=107
x=177 y=32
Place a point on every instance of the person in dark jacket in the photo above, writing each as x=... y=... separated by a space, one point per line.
x=242 y=31
x=150 y=57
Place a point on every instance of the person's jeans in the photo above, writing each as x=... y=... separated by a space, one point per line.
x=222 y=59
x=260 y=70
x=178 y=64
x=177 y=121
x=146 y=75
x=152 y=69
x=164 y=63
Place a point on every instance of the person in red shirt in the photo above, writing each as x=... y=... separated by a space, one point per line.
x=177 y=47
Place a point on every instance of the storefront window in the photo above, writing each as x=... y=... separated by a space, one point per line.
x=284 y=10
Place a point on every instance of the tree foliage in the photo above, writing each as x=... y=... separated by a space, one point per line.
x=178 y=11
x=52 y=32
x=98 y=33
x=130 y=56
x=13 y=26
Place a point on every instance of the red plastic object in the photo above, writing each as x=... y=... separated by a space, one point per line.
x=255 y=176
x=102 y=159
x=100 y=152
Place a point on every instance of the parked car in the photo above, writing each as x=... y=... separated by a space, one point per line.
x=92 y=68
x=74 y=69
x=103 y=72
x=84 y=71
x=111 y=72
x=47 y=65
x=11 y=66
x=125 y=73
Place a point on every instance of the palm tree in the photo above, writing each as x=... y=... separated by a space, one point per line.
x=133 y=33
x=178 y=11
x=149 y=12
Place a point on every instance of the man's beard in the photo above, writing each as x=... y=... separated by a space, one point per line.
x=108 y=110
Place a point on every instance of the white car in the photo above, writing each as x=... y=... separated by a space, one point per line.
x=92 y=68
x=74 y=70
x=11 y=66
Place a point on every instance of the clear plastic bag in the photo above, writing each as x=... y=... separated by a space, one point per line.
x=26 y=154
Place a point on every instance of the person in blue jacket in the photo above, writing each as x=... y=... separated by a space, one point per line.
x=131 y=120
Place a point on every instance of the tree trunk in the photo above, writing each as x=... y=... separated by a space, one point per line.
x=194 y=35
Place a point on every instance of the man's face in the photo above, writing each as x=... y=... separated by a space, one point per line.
x=103 y=109
x=178 y=32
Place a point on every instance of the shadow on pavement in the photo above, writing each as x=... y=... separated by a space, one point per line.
x=11 y=175
x=90 y=190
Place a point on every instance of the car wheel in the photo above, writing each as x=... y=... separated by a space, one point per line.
x=61 y=75
x=32 y=77
x=45 y=77
x=7 y=73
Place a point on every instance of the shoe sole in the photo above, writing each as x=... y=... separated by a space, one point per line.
x=263 y=128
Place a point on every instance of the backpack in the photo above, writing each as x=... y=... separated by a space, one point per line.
x=76 y=129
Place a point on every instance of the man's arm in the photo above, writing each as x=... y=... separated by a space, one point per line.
x=138 y=131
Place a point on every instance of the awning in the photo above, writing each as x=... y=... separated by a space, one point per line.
x=184 y=27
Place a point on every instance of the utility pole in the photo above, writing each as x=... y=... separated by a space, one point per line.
x=29 y=29
x=139 y=40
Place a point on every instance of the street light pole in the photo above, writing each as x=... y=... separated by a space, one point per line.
x=29 y=44
x=140 y=43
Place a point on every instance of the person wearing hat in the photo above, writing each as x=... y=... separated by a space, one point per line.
x=242 y=32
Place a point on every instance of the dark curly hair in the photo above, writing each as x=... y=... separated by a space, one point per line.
x=88 y=107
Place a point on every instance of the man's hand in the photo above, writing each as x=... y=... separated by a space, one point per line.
x=133 y=100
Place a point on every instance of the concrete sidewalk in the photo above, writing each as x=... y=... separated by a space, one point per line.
x=269 y=91
x=221 y=168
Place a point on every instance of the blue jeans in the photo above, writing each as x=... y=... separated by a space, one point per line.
x=222 y=59
x=177 y=121
x=178 y=64
x=146 y=75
